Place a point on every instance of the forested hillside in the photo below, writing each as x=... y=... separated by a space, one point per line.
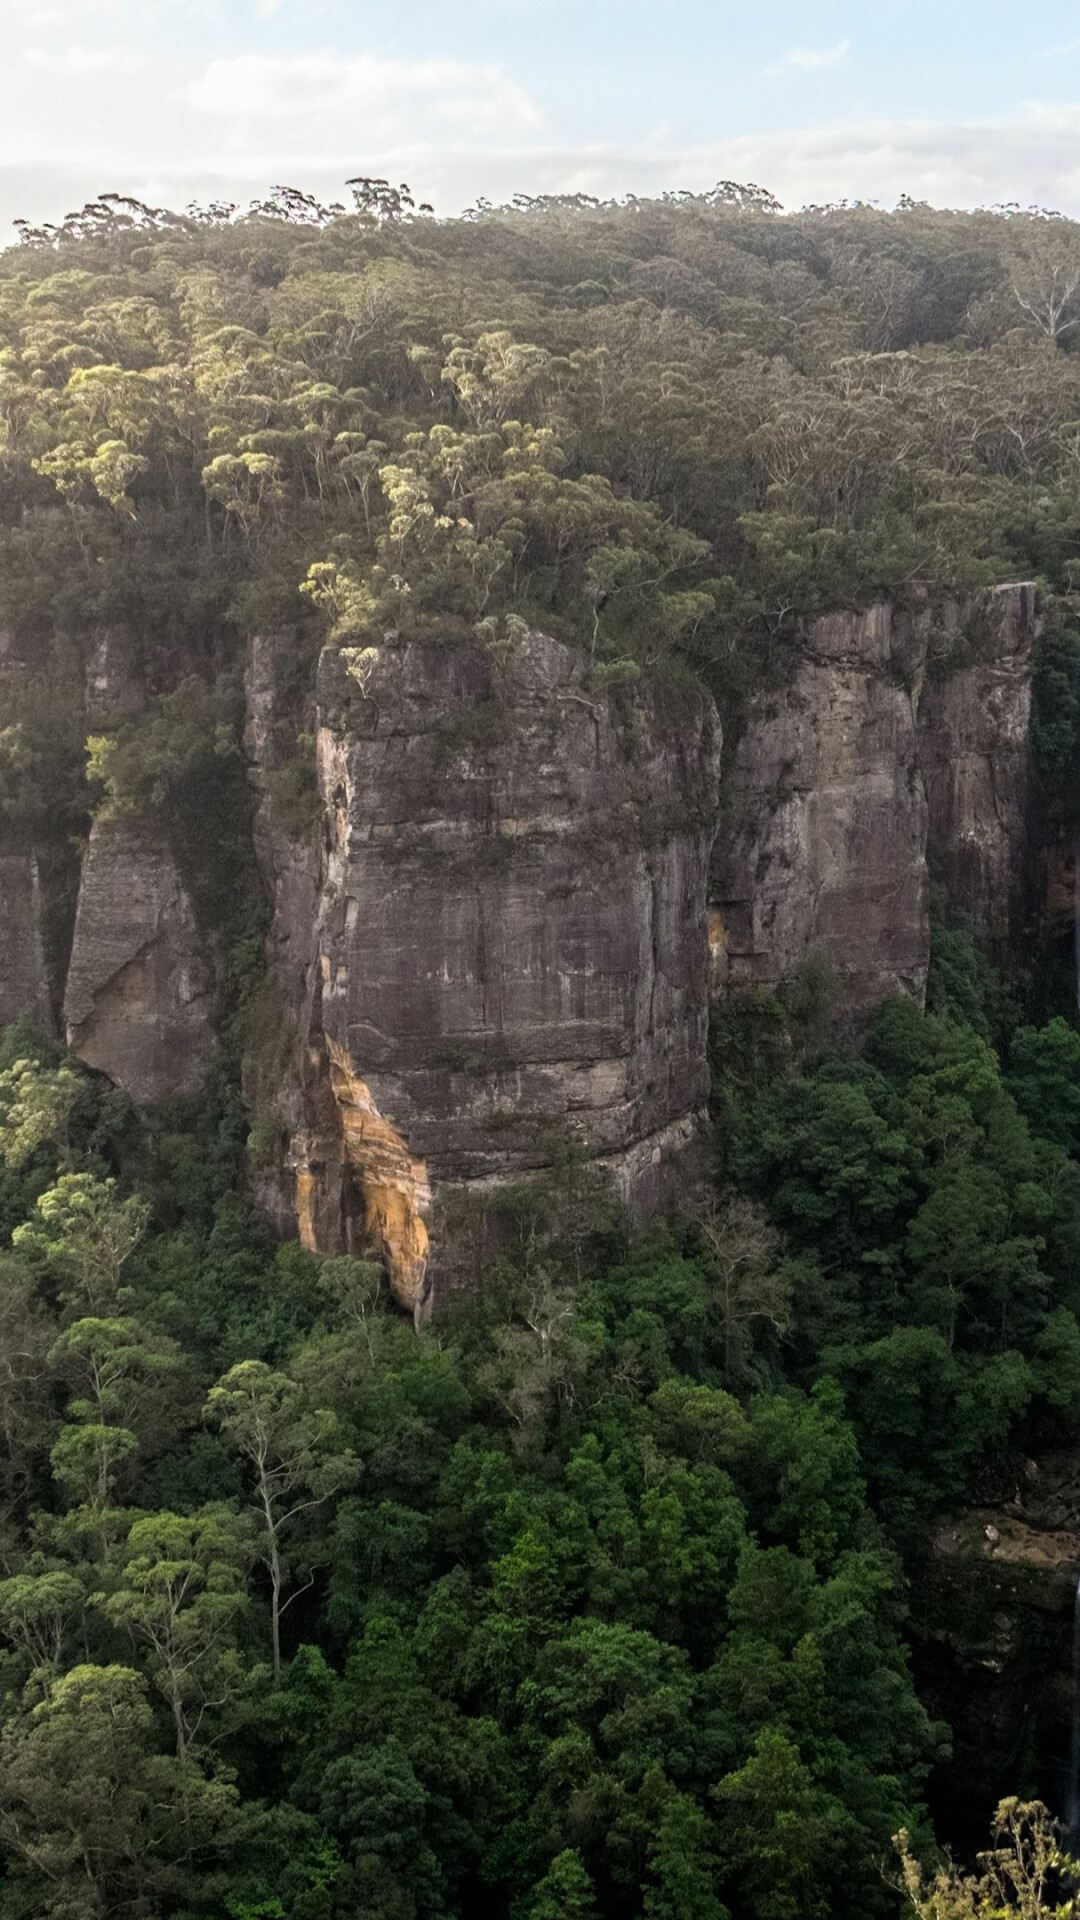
x=666 y=423
x=592 y=1597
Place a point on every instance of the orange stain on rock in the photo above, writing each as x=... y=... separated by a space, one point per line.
x=305 y=1209
x=393 y=1183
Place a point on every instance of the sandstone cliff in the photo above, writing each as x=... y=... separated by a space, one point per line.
x=508 y=955
x=897 y=753
x=823 y=828
x=487 y=942
x=139 y=1001
x=973 y=755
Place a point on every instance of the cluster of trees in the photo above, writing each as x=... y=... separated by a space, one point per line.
x=306 y=1616
x=666 y=430
x=665 y=423
x=928 y=1192
x=589 y=1601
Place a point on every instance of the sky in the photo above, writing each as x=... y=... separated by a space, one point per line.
x=174 y=100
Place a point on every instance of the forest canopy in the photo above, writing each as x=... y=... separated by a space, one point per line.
x=655 y=424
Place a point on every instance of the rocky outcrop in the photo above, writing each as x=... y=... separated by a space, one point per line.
x=509 y=957
x=139 y=999
x=897 y=752
x=488 y=945
x=823 y=828
x=24 y=992
x=973 y=756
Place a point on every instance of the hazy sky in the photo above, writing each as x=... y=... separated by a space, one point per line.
x=175 y=99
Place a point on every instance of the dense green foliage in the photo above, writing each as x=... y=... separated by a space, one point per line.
x=929 y=1195
x=665 y=428
x=588 y=1601
x=562 y=1619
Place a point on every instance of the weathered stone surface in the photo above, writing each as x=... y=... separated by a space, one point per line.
x=973 y=753
x=23 y=985
x=823 y=823
x=881 y=764
x=510 y=944
x=139 y=998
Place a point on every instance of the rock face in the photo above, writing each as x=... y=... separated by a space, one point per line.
x=509 y=951
x=23 y=986
x=488 y=942
x=823 y=830
x=881 y=764
x=138 y=1003
x=973 y=741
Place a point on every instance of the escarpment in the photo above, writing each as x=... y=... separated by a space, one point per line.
x=895 y=755
x=491 y=893
x=823 y=828
x=975 y=763
x=508 y=956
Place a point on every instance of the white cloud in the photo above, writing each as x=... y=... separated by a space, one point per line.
x=456 y=130
x=80 y=62
x=811 y=59
x=368 y=96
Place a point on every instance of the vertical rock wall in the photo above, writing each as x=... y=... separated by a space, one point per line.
x=973 y=755
x=139 y=998
x=897 y=753
x=488 y=934
x=509 y=951
x=823 y=825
